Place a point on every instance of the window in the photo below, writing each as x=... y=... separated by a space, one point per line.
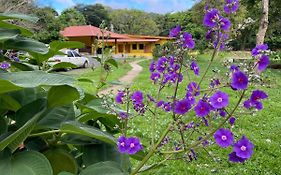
x=157 y=45
x=69 y=54
x=135 y=47
x=76 y=54
x=141 y=46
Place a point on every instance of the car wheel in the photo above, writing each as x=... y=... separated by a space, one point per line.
x=86 y=64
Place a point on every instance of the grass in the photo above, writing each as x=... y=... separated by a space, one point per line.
x=116 y=73
x=262 y=128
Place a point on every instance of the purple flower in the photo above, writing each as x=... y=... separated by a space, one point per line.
x=190 y=125
x=225 y=24
x=137 y=97
x=193 y=88
x=133 y=145
x=222 y=113
x=234 y=68
x=123 y=115
x=263 y=63
x=155 y=76
x=247 y=104
x=234 y=158
x=231 y=6
x=219 y=100
x=243 y=148
x=182 y=107
x=209 y=34
x=152 y=66
x=232 y=121
x=223 y=137
x=5 y=65
x=255 y=104
x=174 y=32
x=211 y=18
x=188 y=42
x=160 y=103
x=239 y=81
x=161 y=64
x=258 y=95
x=195 y=68
x=259 y=49
x=151 y=98
x=167 y=106
x=202 y=108
x=190 y=97
x=122 y=144
x=119 y=97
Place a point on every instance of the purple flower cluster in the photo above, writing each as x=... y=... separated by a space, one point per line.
x=242 y=149
x=137 y=98
x=202 y=108
x=188 y=41
x=231 y=6
x=119 y=98
x=174 y=32
x=123 y=115
x=262 y=59
x=129 y=145
x=182 y=106
x=213 y=19
x=5 y=65
x=255 y=100
x=166 y=71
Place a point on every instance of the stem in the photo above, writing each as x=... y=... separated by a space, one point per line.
x=45 y=133
x=152 y=150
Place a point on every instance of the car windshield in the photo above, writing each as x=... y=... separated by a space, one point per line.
x=76 y=54
x=69 y=54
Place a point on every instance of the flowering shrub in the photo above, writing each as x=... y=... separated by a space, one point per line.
x=212 y=107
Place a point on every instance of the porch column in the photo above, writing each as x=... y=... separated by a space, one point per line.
x=115 y=46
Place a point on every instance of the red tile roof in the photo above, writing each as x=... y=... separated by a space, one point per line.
x=78 y=31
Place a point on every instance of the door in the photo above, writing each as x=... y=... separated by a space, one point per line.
x=128 y=48
x=77 y=60
x=120 y=48
x=147 y=48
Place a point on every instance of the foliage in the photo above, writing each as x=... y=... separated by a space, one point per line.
x=133 y=22
x=46 y=121
x=71 y=17
x=94 y=14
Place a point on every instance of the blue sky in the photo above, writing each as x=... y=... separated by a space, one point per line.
x=157 y=6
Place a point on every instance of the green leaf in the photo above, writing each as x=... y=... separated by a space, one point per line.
x=58 y=45
x=75 y=127
x=6 y=34
x=85 y=80
x=9 y=103
x=6 y=86
x=64 y=65
x=31 y=79
x=25 y=44
x=62 y=95
x=65 y=173
x=61 y=160
x=17 y=137
x=103 y=168
x=5 y=16
x=3 y=125
x=28 y=95
x=26 y=163
x=53 y=118
x=23 y=31
x=77 y=139
x=23 y=66
x=139 y=155
x=113 y=62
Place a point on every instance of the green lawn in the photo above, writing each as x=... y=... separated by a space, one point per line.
x=263 y=129
x=93 y=75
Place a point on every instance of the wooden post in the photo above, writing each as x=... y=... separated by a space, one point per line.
x=115 y=46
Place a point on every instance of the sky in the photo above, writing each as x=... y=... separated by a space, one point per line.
x=156 y=6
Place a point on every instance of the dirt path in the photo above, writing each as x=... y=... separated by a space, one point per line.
x=126 y=79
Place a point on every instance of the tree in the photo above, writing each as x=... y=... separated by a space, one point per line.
x=263 y=22
x=94 y=14
x=133 y=22
x=22 y=6
x=71 y=17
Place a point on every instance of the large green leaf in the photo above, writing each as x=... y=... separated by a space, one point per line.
x=5 y=16
x=6 y=86
x=75 y=127
x=17 y=137
x=24 y=32
x=9 y=103
x=61 y=161
x=103 y=152
x=53 y=118
x=113 y=62
x=103 y=168
x=62 y=95
x=3 y=125
x=26 y=163
x=31 y=79
x=28 y=95
x=23 y=66
x=6 y=34
x=25 y=44
x=64 y=65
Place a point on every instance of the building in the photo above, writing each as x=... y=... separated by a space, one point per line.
x=124 y=45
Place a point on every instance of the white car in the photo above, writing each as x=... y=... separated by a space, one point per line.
x=70 y=56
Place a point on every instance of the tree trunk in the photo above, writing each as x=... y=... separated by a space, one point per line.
x=263 y=23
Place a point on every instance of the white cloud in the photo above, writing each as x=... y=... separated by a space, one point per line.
x=66 y=2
